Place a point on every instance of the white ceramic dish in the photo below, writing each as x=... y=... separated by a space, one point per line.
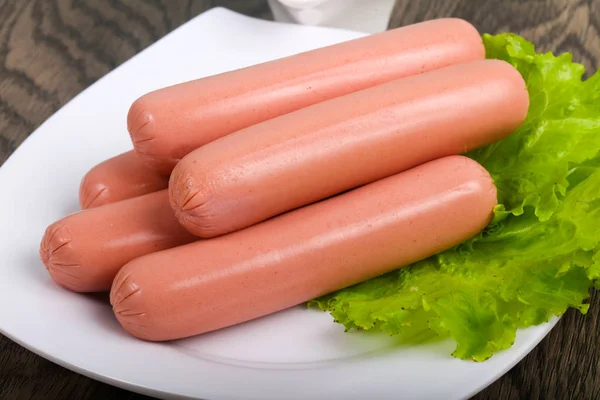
x=295 y=354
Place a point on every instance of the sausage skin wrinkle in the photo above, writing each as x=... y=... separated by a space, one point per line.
x=330 y=147
x=168 y=123
x=305 y=253
x=84 y=251
x=119 y=178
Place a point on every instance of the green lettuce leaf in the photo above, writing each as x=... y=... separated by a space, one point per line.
x=540 y=254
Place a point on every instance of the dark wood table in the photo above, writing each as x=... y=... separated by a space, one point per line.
x=50 y=50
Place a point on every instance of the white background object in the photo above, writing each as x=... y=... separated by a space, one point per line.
x=294 y=354
x=360 y=15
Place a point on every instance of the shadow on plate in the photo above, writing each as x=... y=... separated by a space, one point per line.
x=300 y=338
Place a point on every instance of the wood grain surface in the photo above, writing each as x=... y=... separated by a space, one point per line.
x=50 y=50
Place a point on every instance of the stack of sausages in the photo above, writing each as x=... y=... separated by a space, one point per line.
x=258 y=189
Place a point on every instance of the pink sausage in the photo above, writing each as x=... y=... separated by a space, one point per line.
x=305 y=253
x=119 y=178
x=84 y=251
x=170 y=122
x=330 y=147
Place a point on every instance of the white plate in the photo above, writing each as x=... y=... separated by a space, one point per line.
x=295 y=354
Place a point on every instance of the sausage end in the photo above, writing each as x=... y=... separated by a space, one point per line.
x=93 y=195
x=191 y=200
x=141 y=124
x=516 y=97
x=64 y=255
x=127 y=301
x=56 y=254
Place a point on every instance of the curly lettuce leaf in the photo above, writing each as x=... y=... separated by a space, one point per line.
x=540 y=254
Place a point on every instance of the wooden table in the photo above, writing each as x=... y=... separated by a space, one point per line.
x=53 y=49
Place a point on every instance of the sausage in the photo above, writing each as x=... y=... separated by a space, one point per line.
x=84 y=251
x=305 y=253
x=119 y=178
x=330 y=147
x=168 y=123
